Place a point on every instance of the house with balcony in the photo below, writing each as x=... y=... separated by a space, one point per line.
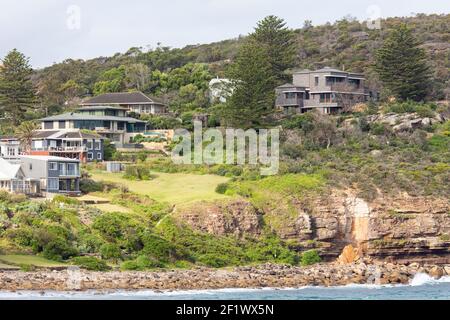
x=327 y=90
x=55 y=175
x=110 y=122
x=136 y=102
x=70 y=143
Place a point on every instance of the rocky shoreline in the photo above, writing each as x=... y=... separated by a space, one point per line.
x=268 y=275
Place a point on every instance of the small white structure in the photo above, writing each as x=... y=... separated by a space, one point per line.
x=12 y=178
x=10 y=148
x=220 y=89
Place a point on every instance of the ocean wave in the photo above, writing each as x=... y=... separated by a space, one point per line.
x=421 y=279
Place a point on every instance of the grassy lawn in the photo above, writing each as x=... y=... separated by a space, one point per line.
x=7 y=266
x=174 y=188
x=36 y=261
x=107 y=207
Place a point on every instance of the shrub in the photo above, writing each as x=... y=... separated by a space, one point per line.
x=90 y=263
x=89 y=185
x=129 y=265
x=379 y=129
x=158 y=248
x=310 y=257
x=63 y=199
x=222 y=188
x=145 y=262
x=58 y=249
x=213 y=260
x=137 y=172
x=110 y=251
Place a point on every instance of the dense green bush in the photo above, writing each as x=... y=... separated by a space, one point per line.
x=58 y=250
x=63 y=199
x=110 y=251
x=89 y=185
x=423 y=109
x=137 y=172
x=310 y=257
x=222 y=188
x=90 y=263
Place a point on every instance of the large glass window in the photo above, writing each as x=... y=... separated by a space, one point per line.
x=72 y=169
x=48 y=125
x=53 y=184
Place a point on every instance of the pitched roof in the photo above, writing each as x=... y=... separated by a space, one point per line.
x=121 y=98
x=8 y=170
x=44 y=134
x=100 y=107
x=289 y=85
x=77 y=116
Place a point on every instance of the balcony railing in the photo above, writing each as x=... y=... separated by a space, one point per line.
x=69 y=173
x=62 y=149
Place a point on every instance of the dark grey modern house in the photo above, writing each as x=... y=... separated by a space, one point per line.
x=132 y=101
x=55 y=175
x=327 y=90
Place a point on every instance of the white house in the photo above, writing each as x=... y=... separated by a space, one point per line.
x=12 y=178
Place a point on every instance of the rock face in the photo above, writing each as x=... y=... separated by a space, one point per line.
x=237 y=218
x=400 y=228
x=406 y=121
x=349 y=255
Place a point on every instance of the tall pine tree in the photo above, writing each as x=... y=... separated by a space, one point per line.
x=253 y=85
x=402 y=65
x=259 y=67
x=272 y=33
x=16 y=89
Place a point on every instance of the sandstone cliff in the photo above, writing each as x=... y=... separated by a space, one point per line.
x=401 y=228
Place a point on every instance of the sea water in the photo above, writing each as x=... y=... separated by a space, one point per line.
x=421 y=287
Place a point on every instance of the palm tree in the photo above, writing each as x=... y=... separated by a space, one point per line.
x=25 y=133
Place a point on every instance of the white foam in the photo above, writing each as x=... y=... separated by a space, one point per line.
x=421 y=279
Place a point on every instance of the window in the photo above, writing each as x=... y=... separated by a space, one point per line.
x=99 y=156
x=90 y=156
x=53 y=166
x=48 y=125
x=53 y=184
x=89 y=144
x=316 y=80
x=72 y=169
x=62 y=169
x=30 y=166
x=97 y=145
x=62 y=124
x=326 y=97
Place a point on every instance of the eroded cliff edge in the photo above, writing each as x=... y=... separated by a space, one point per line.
x=398 y=228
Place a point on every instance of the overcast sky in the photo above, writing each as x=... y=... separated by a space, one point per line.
x=50 y=31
